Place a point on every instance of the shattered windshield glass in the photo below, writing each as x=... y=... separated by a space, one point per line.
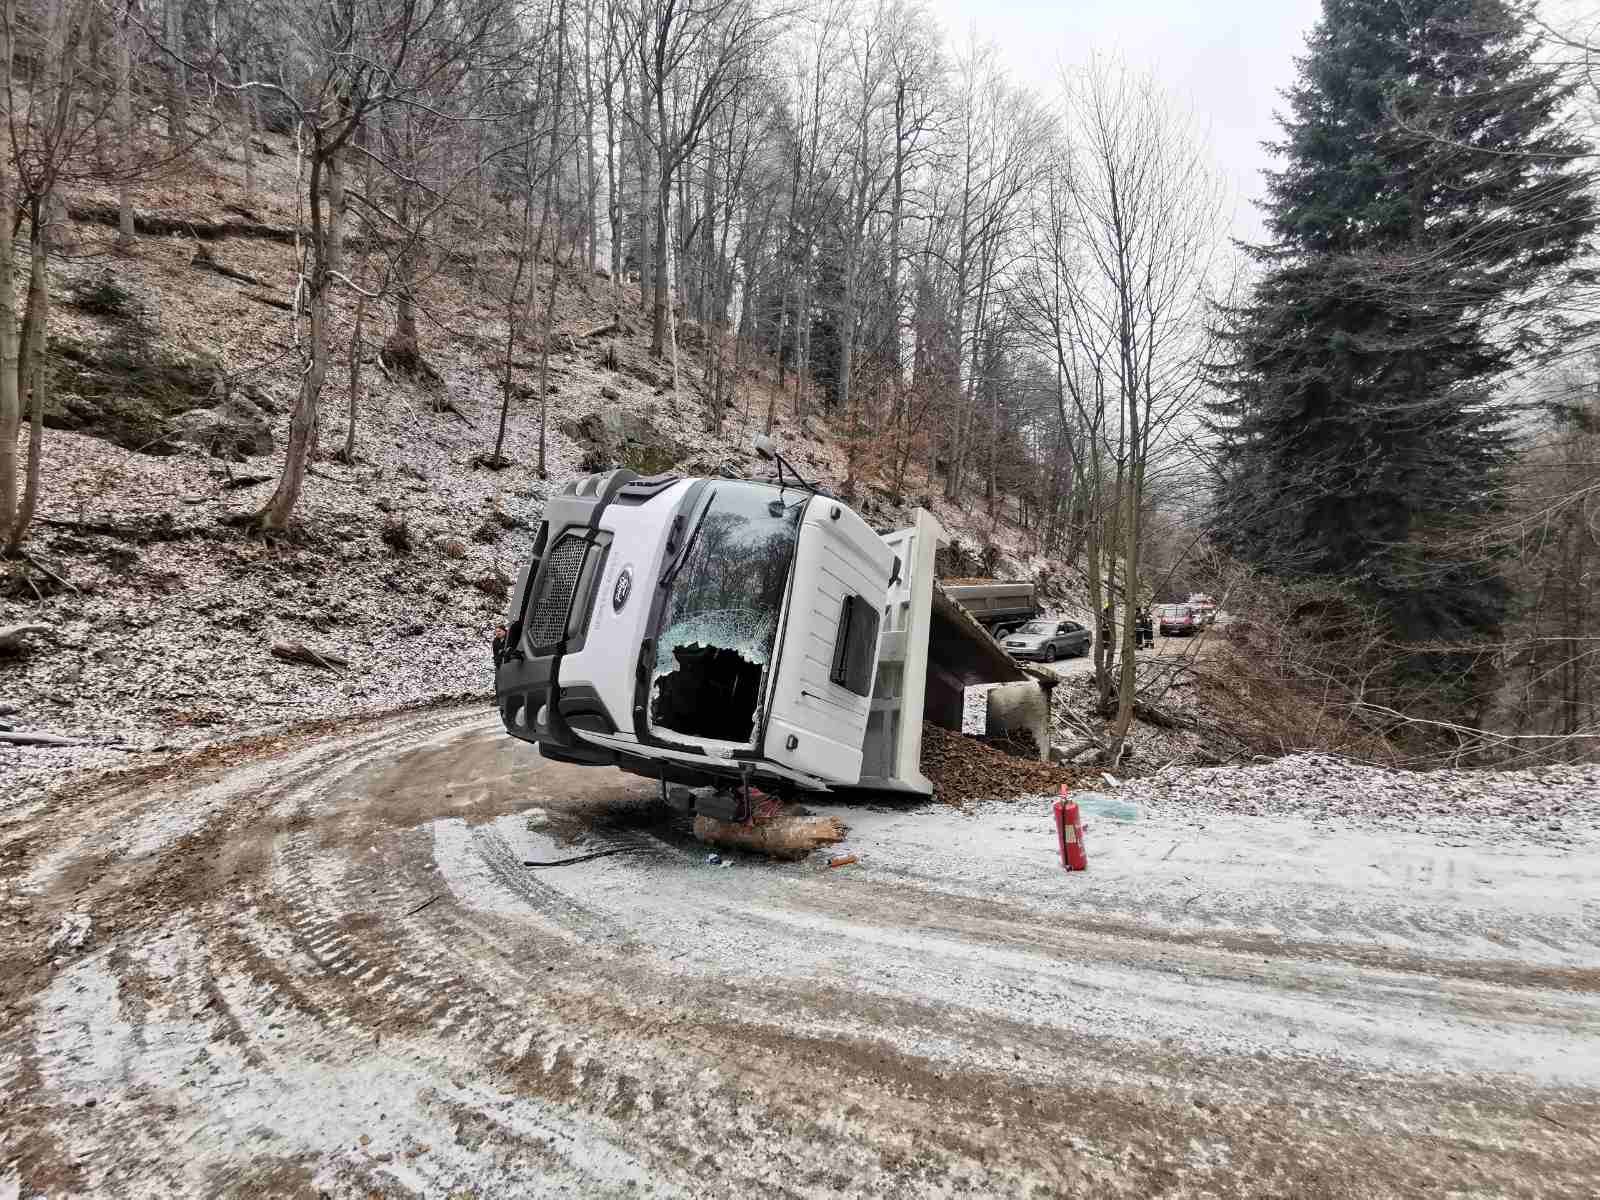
x=721 y=615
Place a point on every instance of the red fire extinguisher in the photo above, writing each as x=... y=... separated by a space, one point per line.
x=1069 y=834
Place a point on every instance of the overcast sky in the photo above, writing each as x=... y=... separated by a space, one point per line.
x=1228 y=59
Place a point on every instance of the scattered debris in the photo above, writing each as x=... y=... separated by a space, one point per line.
x=842 y=860
x=71 y=934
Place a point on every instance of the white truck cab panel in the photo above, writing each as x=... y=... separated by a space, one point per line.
x=820 y=699
x=620 y=620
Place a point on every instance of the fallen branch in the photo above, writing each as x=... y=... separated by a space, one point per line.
x=300 y=652
x=1152 y=714
x=270 y=301
x=39 y=566
x=37 y=739
x=203 y=261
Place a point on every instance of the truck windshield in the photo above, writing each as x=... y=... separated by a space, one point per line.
x=721 y=614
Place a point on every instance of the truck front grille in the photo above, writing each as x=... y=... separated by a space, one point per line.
x=547 y=624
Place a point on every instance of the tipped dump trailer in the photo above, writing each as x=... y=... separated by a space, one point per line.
x=727 y=631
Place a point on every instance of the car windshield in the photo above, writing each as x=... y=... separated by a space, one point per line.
x=722 y=613
x=1036 y=627
x=1174 y=610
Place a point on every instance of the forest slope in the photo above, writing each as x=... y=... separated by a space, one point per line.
x=162 y=616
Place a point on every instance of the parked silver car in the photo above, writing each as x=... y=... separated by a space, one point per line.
x=1047 y=640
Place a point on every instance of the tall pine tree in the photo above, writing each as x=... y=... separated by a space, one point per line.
x=1430 y=199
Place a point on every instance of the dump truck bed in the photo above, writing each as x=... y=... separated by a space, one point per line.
x=994 y=602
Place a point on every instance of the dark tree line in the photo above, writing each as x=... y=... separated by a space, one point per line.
x=1433 y=211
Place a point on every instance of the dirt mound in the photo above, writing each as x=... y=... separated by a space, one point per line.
x=963 y=768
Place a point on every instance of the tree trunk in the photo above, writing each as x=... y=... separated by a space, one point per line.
x=1132 y=523
x=327 y=247
x=30 y=375
x=349 y=451
x=252 y=130
x=10 y=397
x=644 y=250
x=896 y=213
x=524 y=256
x=613 y=175
x=177 y=83
x=663 y=201
x=592 y=191
x=124 y=115
x=553 y=183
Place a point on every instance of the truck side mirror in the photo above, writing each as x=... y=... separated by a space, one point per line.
x=763 y=445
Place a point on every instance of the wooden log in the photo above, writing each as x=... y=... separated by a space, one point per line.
x=12 y=738
x=11 y=635
x=204 y=262
x=300 y=652
x=270 y=301
x=783 y=837
x=151 y=224
x=244 y=481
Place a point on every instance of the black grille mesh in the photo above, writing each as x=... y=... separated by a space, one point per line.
x=548 y=624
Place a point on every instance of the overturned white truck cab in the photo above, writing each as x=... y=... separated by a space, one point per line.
x=724 y=632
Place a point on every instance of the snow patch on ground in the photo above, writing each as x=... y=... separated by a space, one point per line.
x=1555 y=805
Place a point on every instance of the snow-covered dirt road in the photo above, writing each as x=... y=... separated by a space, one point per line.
x=322 y=968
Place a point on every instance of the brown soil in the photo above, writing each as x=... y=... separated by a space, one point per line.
x=963 y=769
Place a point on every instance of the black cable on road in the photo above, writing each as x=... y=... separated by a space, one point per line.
x=567 y=862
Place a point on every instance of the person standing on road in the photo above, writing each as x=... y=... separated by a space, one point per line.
x=1146 y=629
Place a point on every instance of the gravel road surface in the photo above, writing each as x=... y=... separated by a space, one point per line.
x=319 y=966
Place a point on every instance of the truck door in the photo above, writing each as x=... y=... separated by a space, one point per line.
x=821 y=695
